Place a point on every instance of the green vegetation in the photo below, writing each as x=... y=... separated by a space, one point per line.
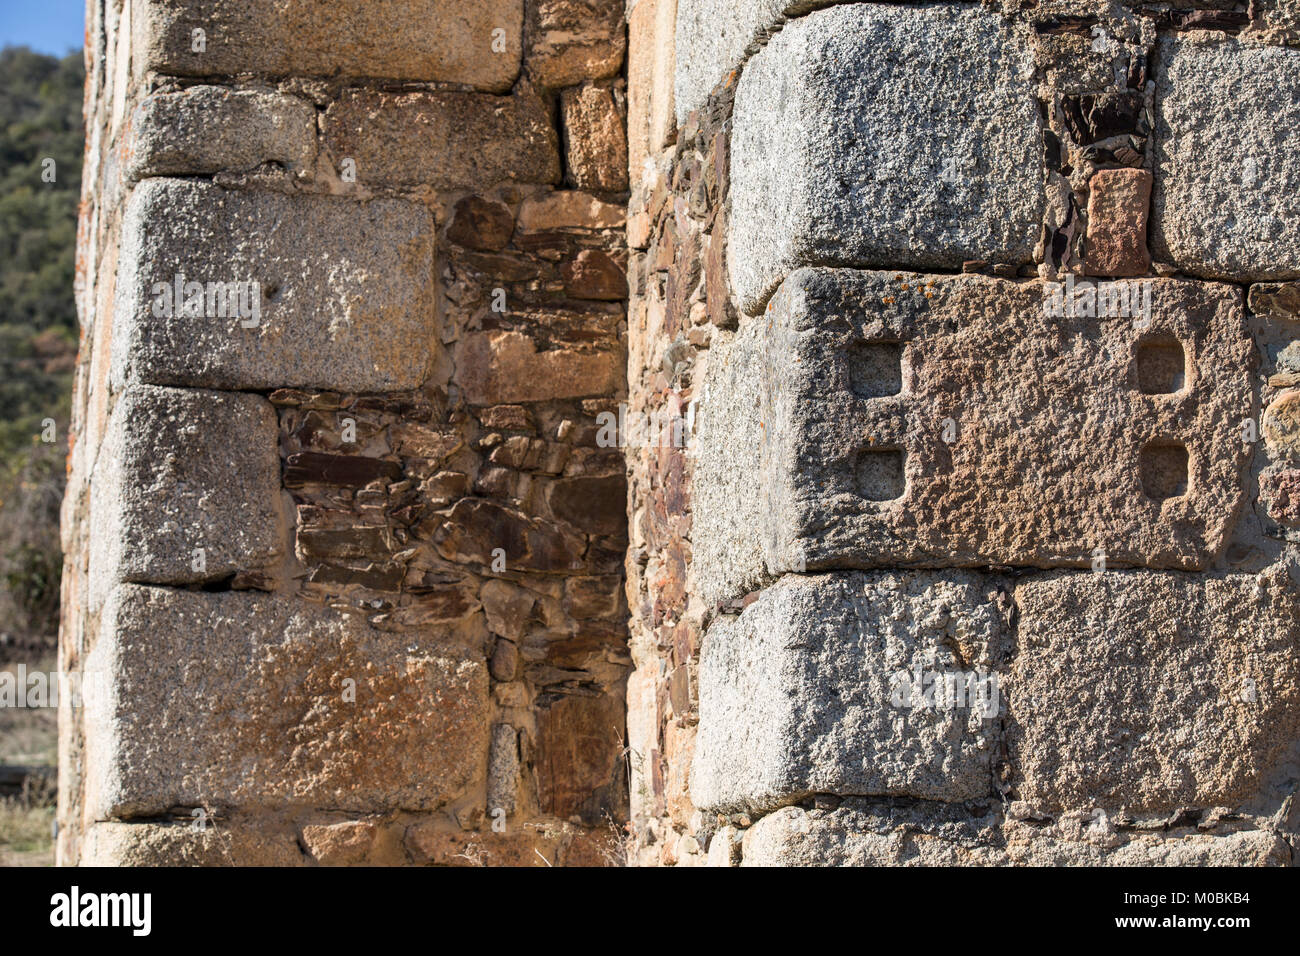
x=40 y=122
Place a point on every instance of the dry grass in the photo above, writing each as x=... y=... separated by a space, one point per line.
x=29 y=738
x=26 y=833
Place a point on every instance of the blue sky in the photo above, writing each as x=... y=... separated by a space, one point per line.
x=50 y=26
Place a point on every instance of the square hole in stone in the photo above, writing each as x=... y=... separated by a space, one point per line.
x=1161 y=366
x=1163 y=468
x=880 y=474
x=876 y=369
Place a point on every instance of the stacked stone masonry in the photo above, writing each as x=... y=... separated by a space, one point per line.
x=976 y=542
x=684 y=432
x=344 y=542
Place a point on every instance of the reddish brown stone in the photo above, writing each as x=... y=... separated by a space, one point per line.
x=717 y=294
x=575 y=40
x=506 y=366
x=595 y=505
x=578 y=765
x=352 y=471
x=1282 y=491
x=421 y=441
x=1118 y=203
x=586 y=598
x=386 y=576
x=354 y=543
x=592 y=274
x=442 y=603
x=504 y=665
x=476 y=528
x=595 y=143
x=481 y=224
x=507 y=418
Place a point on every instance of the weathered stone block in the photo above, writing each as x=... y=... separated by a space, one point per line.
x=476 y=44
x=344 y=294
x=920 y=836
x=595 y=142
x=841 y=155
x=714 y=38
x=650 y=78
x=575 y=40
x=186 y=489
x=233 y=699
x=1152 y=691
x=245 y=843
x=1226 y=202
x=506 y=366
x=884 y=419
x=443 y=140
x=207 y=129
x=1118 y=200
x=809 y=690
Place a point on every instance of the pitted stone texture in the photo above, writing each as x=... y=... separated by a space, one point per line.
x=226 y=699
x=347 y=290
x=574 y=40
x=1152 y=691
x=860 y=833
x=207 y=129
x=1226 y=202
x=246 y=843
x=842 y=156
x=1068 y=435
x=919 y=836
x=476 y=44
x=714 y=38
x=183 y=470
x=801 y=693
x=443 y=140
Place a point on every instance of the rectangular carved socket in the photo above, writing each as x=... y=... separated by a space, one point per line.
x=1164 y=470
x=1022 y=428
x=1161 y=366
x=876 y=369
x=880 y=474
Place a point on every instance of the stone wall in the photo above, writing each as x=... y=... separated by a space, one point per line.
x=686 y=431
x=345 y=547
x=978 y=326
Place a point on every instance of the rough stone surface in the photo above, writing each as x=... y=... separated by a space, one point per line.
x=800 y=694
x=503 y=769
x=499 y=367
x=575 y=40
x=1070 y=437
x=347 y=290
x=595 y=142
x=443 y=140
x=430 y=40
x=182 y=471
x=1152 y=691
x=1276 y=300
x=230 y=699
x=1227 y=178
x=184 y=844
x=714 y=37
x=650 y=77
x=842 y=156
x=863 y=836
x=207 y=129
x=1117 y=223
x=569 y=209
x=1281 y=425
